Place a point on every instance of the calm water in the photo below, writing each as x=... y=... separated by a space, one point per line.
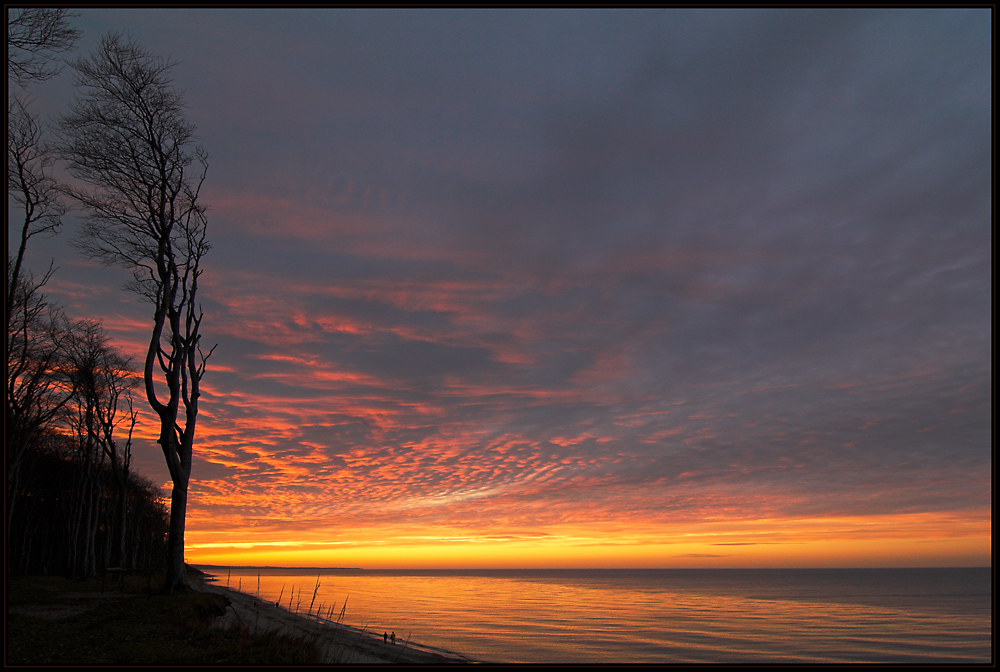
x=658 y=616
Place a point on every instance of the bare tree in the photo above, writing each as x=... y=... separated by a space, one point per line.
x=127 y=141
x=30 y=183
x=35 y=37
x=37 y=387
x=102 y=376
x=38 y=380
x=41 y=532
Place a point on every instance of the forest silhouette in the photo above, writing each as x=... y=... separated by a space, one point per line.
x=74 y=503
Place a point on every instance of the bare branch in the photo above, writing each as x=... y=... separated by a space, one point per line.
x=35 y=38
x=29 y=183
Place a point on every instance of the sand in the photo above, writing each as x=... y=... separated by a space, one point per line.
x=341 y=643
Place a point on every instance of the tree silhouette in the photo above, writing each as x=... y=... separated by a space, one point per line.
x=37 y=386
x=35 y=36
x=102 y=378
x=39 y=382
x=126 y=139
x=72 y=502
x=30 y=183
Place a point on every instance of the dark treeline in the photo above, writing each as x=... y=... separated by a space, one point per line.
x=74 y=505
x=79 y=519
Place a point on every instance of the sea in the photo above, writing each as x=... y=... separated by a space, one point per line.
x=662 y=616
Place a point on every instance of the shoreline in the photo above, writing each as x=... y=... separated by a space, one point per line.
x=341 y=644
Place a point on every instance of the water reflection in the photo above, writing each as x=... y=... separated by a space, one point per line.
x=701 y=618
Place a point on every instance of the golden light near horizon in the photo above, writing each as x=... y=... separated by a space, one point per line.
x=905 y=541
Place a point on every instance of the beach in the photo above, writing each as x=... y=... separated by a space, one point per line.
x=341 y=644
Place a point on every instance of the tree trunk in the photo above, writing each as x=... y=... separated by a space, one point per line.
x=122 y=522
x=176 y=572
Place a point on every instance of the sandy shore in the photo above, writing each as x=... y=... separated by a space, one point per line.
x=341 y=644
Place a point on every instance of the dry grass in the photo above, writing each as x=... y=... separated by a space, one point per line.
x=55 y=621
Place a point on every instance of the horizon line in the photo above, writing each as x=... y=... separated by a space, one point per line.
x=571 y=569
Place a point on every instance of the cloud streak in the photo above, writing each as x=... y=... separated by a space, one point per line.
x=625 y=277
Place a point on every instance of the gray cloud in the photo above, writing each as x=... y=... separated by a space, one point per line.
x=639 y=260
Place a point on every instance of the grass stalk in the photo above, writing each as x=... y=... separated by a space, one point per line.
x=315 y=590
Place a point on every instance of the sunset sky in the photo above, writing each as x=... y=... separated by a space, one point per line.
x=580 y=288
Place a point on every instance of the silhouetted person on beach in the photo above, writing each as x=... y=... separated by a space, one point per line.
x=393 y=636
x=385 y=637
